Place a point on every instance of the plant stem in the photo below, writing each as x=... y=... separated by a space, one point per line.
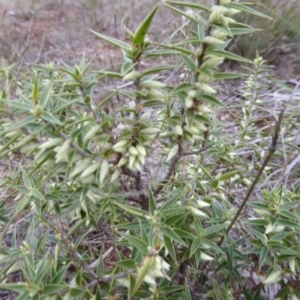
x=272 y=149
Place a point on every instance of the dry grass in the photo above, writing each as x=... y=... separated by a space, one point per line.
x=279 y=37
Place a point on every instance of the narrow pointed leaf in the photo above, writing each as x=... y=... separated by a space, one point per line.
x=247 y=9
x=189 y=4
x=143 y=28
x=188 y=16
x=111 y=40
x=231 y=56
x=152 y=204
x=188 y=62
x=262 y=257
x=137 y=243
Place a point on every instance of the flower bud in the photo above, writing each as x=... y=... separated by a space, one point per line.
x=104 y=170
x=91 y=169
x=141 y=149
x=189 y=102
x=132 y=150
x=92 y=132
x=141 y=159
x=192 y=94
x=206 y=88
x=152 y=84
x=212 y=41
x=131 y=161
x=198 y=52
x=133 y=75
x=123 y=161
x=150 y=130
x=178 y=130
x=173 y=152
x=37 y=111
x=205 y=257
x=115 y=175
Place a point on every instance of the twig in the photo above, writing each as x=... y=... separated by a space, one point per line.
x=197 y=152
x=272 y=149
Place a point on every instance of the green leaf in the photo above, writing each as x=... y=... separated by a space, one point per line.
x=50 y=118
x=187 y=293
x=214 y=184
x=174 y=219
x=262 y=256
x=228 y=175
x=224 y=75
x=179 y=49
x=59 y=108
x=195 y=246
x=197 y=20
x=156 y=53
x=126 y=263
x=247 y=9
x=152 y=204
x=17 y=287
x=210 y=99
x=280 y=236
x=188 y=62
x=98 y=293
x=170 y=289
x=21 y=123
x=46 y=94
x=231 y=56
x=111 y=74
x=223 y=28
x=60 y=275
x=260 y=236
x=75 y=292
x=134 y=211
x=80 y=239
x=230 y=260
x=100 y=267
x=188 y=41
x=127 y=67
x=54 y=288
x=184 y=234
x=170 y=247
x=181 y=88
x=283 y=293
x=27 y=106
x=106 y=99
x=213 y=246
x=287 y=223
x=214 y=228
x=158 y=69
x=172 y=235
x=170 y=203
x=247 y=295
x=189 y=4
x=35 y=92
x=287 y=214
x=133 y=225
x=111 y=40
x=258 y=222
x=240 y=28
x=143 y=28
x=137 y=243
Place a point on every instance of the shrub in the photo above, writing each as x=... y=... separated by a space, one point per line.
x=135 y=196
